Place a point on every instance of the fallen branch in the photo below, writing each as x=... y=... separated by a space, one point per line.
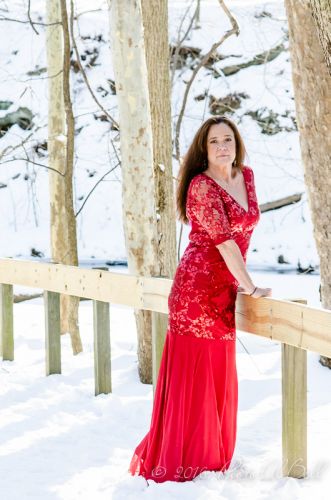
x=282 y=202
x=264 y=57
x=21 y=297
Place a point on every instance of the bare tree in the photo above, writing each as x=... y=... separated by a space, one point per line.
x=155 y=21
x=157 y=60
x=61 y=150
x=313 y=113
x=139 y=211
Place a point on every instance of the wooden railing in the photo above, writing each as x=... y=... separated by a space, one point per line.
x=297 y=326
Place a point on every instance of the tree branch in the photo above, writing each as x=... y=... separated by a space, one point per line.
x=11 y=148
x=34 y=163
x=181 y=41
x=116 y=125
x=27 y=22
x=30 y=20
x=94 y=187
x=234 y=30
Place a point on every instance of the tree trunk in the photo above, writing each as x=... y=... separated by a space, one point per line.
x=155 y=19
x=312 y=83
x=139 y=213
x=321 y=10
x=60 y=149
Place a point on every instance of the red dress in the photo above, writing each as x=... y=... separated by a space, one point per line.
x=194 y=418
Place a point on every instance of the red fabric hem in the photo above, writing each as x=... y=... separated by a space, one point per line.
x=193 y=424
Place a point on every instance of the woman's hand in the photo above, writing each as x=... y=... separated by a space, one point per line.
x=259 y=292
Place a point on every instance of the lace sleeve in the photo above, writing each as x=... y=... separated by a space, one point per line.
x=206 y=208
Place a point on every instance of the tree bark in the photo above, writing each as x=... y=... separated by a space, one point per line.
x=313 y=113
x=321 y=10
x=155 y=21
x=139 y=211
x=60 y=148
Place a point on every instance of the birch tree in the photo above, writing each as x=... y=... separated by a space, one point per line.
x=60 y=149
x=312 y=83
x=139 y=211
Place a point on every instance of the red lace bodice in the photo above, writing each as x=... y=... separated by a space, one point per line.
x=216 y=216
x=202 y=298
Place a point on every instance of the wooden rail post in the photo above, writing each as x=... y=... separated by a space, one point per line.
x=102 y=355
x=159 y=330
x=6 y=322
x=53 y=332
x=294 y=409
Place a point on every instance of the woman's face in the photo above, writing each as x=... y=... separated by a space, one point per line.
x=221 y=145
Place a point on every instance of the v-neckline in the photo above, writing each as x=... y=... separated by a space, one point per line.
x=247 y=191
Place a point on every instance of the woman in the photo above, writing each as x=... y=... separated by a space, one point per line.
x=194 y=419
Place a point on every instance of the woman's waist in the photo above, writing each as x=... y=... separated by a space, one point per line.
x=205 y=257
x=208 y=250
x=202 y=257
x=209 y=247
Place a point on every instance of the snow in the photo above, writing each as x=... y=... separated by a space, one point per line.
x=60 y=442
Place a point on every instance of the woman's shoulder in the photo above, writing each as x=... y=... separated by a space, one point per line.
x=200 y=183
x=198 y=179
x=248 y=169
x=202 y=189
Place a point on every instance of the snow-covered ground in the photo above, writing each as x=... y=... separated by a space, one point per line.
x=60 y=442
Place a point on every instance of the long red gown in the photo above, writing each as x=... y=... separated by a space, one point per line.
x=194 y=418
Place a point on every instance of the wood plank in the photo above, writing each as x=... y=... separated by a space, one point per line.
x=6 y=323
x=116 y=288
x=155 y=292
x=294 y=411
x=52 y=332
x=102 y=355
x=159 y=330
x=285 y=321
x=292 y=323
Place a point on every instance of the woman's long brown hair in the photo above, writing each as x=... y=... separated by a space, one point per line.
x=196 y=160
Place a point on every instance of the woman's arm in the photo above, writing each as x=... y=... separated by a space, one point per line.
x=236 y=265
